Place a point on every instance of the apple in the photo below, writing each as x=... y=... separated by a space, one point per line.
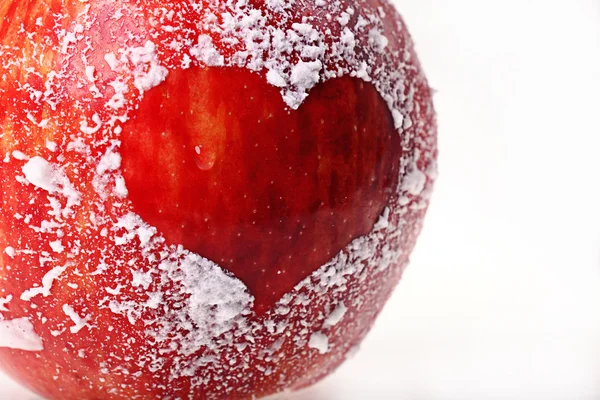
x=203 y=199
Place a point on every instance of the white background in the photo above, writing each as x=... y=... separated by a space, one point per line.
x=502 y=299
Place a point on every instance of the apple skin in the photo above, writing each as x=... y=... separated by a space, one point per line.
x=338 y=174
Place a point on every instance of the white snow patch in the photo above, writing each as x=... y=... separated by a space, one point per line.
x=384 y=220
x=110 y=161
x=306 y=74
x=414 y=181
x=19 y=334
x=10 y=251
x=335 y=316
x=90 y=73
x=319 y=342
x=50 y=145
x=79 y=322
x=19 y=155
x=378 y=40
x=90 y=130
x=57 y=246
x=112 y=61
x=44 y=175
x=117 y=101
x=141 y=278
x=398 y=118
x=206 y=52
x=47 y=282
x=3 y=302
x=275 y=79
x=148 y=72
x=120 y=187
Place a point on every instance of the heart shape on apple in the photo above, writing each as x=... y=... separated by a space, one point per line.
x=270 y=194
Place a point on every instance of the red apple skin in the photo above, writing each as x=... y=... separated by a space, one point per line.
x=322 y=175
x=272 y=194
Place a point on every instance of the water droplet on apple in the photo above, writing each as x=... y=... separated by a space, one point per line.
x=205 y=158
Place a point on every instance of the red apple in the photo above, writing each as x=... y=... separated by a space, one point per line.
x=203 y=199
